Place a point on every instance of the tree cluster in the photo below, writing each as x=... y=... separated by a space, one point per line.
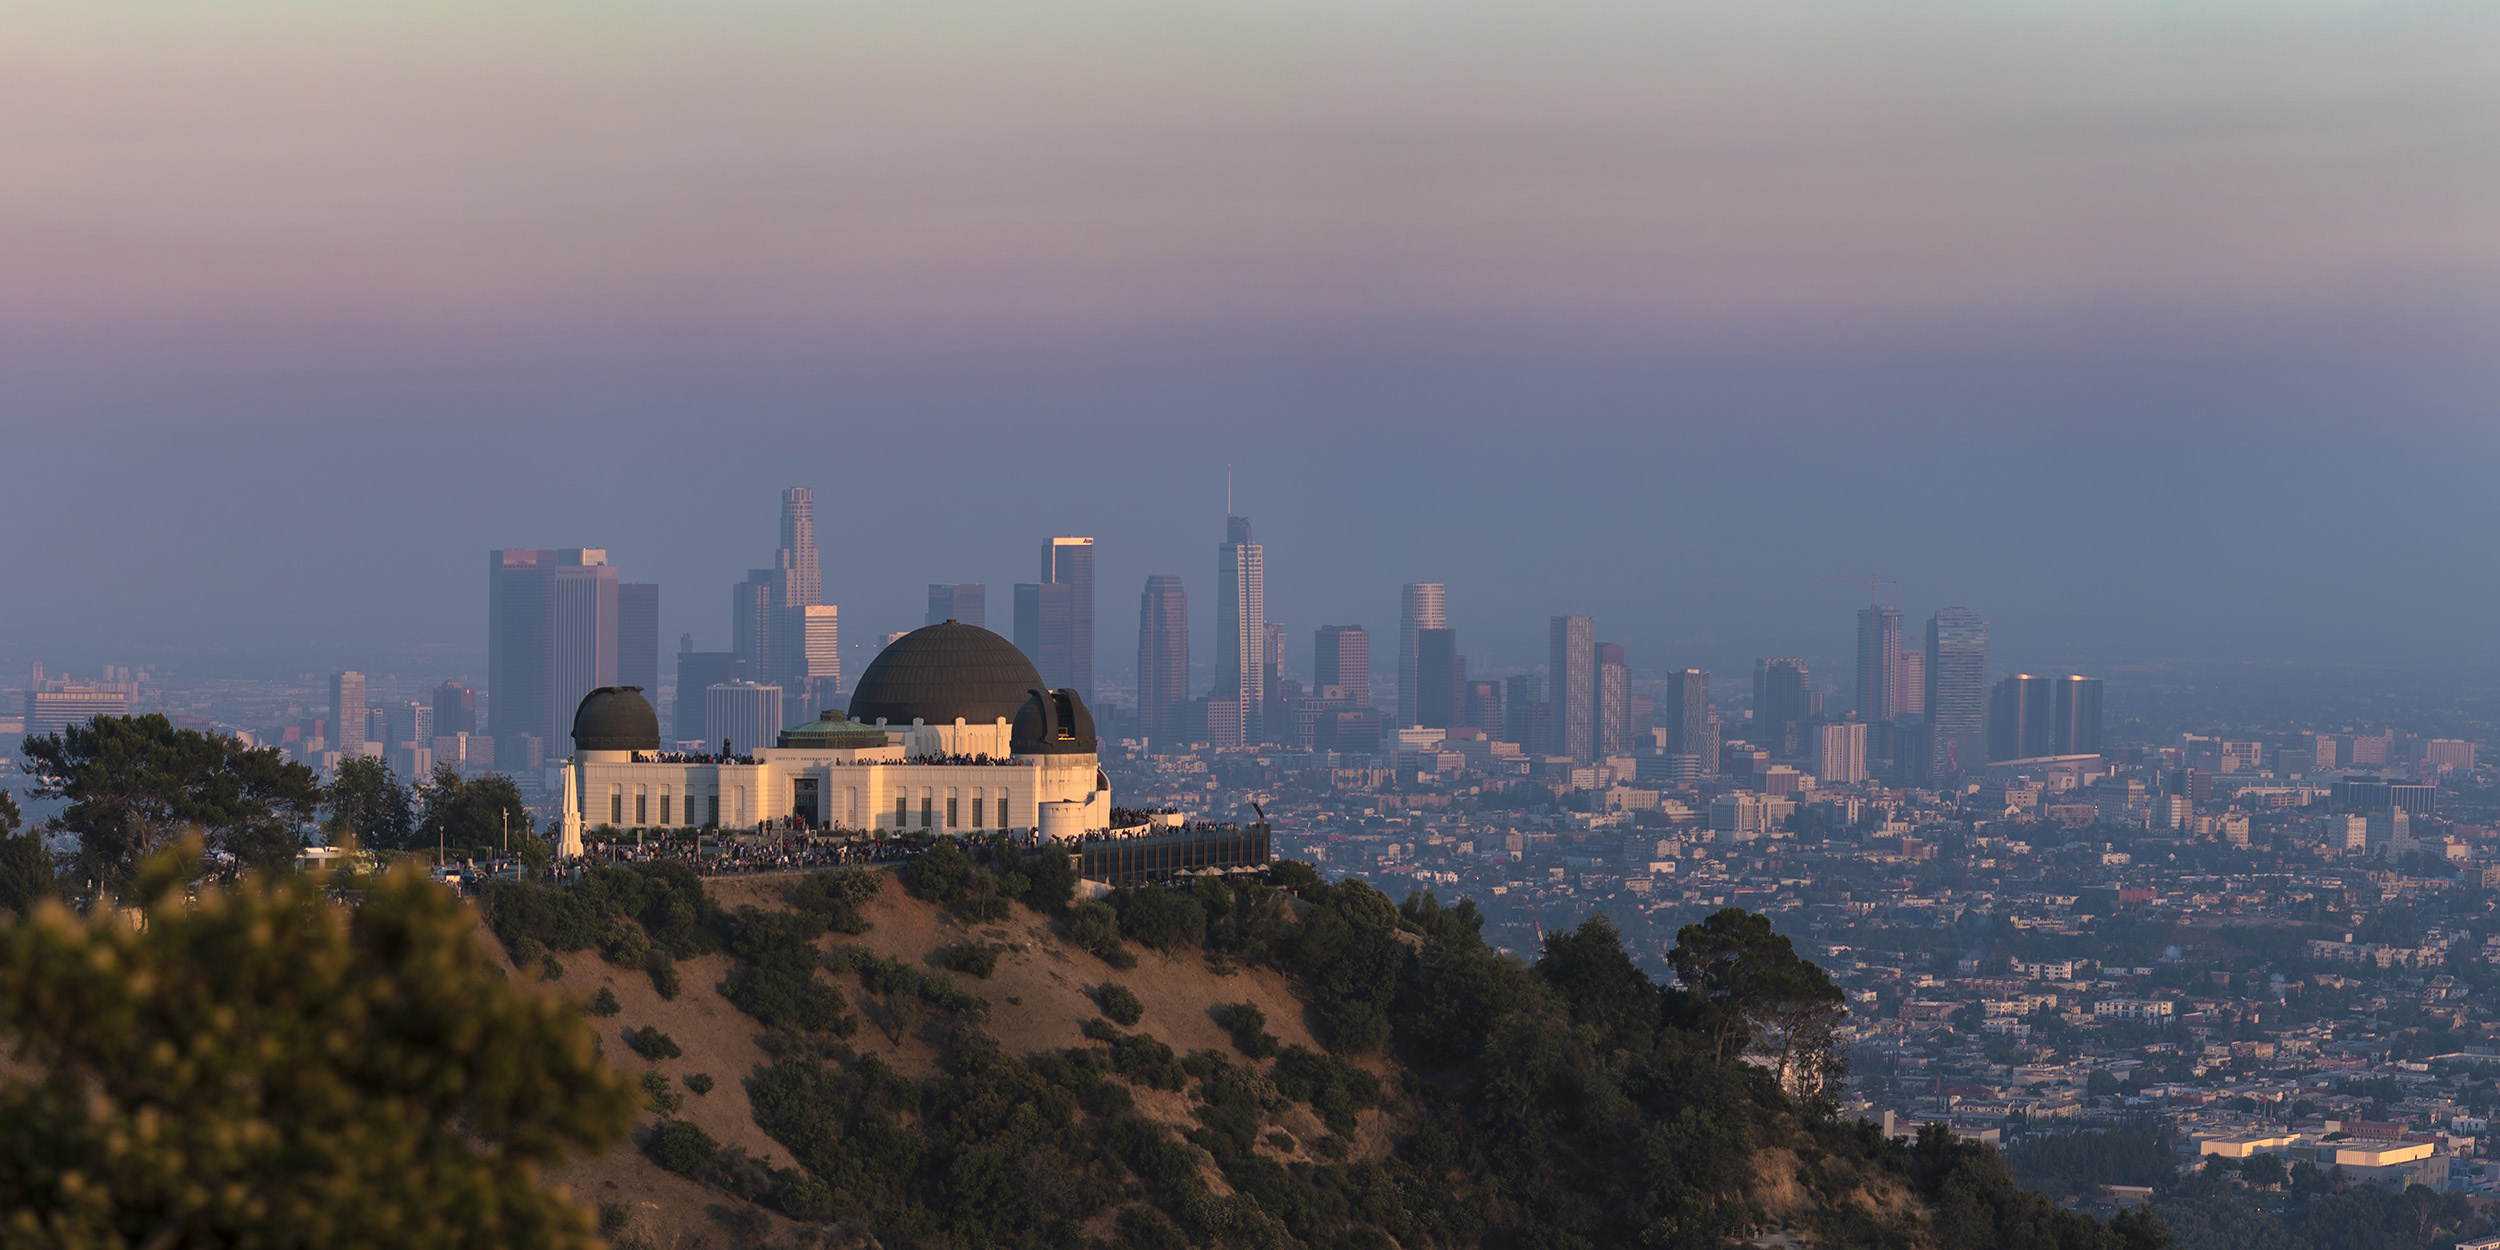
x=136 y=785
x=261 y=1066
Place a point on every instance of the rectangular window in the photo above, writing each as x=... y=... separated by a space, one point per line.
x=976 y=807
x=1002 y=808
x=711 y=804
x=928 y=807
x=950 y=812
x=642 y=806
x=616 y=808
x=664 y=805
x=902 y=810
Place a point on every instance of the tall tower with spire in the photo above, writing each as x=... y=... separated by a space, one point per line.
x=1241 y=625
x=802 y=576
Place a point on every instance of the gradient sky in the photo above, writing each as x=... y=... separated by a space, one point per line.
x=2148 y=330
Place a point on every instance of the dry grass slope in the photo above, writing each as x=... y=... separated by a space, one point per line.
x=1040 y=993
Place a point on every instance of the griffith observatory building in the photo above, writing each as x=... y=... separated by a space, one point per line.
x=949 y=731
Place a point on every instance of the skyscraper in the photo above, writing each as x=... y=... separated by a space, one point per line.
x=1481 y=706
x=2076 y=717
x=751 y=611
x=1436 y=678
x=1957 y=692
x=1879 y=663
x=1911 y=699
x=773 y=631
x=1839 y=756
x=411 y=724
x=1781 y=703
x=698 y=671
x=455 y=709
x=1272 y=663
x=637 y=636
x=1686 y=713
x=2021 y=718
x=1613 y=701
x=1240 y=622
x=1070 y=562
x=802 y=574
x=1524 y=713
x=347 y=713
x=1341 y=659
x=1162 y=658
x=1421 y=606
x=551 y=639
x=811 y=660
x=1045 y=630
x=966 y=603
x=1572 y=669
x=745 y=714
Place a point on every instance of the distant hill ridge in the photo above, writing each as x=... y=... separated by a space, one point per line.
x=956 y=1054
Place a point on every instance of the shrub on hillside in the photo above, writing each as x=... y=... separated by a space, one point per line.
x=1335 y=1089
x=802 y=1197
x=682 y=1148
x=839 y=897
x=778 y=985
x=945 y=875
x=939 y=874
x=1160 y=918
x=978 y=958
x=650 y=1043
x=1148 y=1061
x=603 y=1003
x=699 y=1082
x=892 y=978
x=658 y=1094
x=663 y=974
x=1051 y=880
x=664 y=900
x=1248 y=1025
x=1095 y=927
x=782 y=991
x=1120 y=1004
x=623 y=943
x=1350 y=951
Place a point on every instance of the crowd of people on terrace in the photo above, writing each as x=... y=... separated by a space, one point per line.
x=723 y=756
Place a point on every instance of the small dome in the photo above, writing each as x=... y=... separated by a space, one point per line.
x=833 y=731
x=941 y=673
x=1055 y=723
x=616 y=718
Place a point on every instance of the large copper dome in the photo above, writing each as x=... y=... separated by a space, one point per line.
x=616 y=718
x=943 y=672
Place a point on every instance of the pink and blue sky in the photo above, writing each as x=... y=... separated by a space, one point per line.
x=1658 y=311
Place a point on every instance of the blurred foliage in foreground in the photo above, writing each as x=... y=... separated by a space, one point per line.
x=261 y=1065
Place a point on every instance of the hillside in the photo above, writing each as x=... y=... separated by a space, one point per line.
x=1393 y=1082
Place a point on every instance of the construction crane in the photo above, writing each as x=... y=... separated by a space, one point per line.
x=1873 y=597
